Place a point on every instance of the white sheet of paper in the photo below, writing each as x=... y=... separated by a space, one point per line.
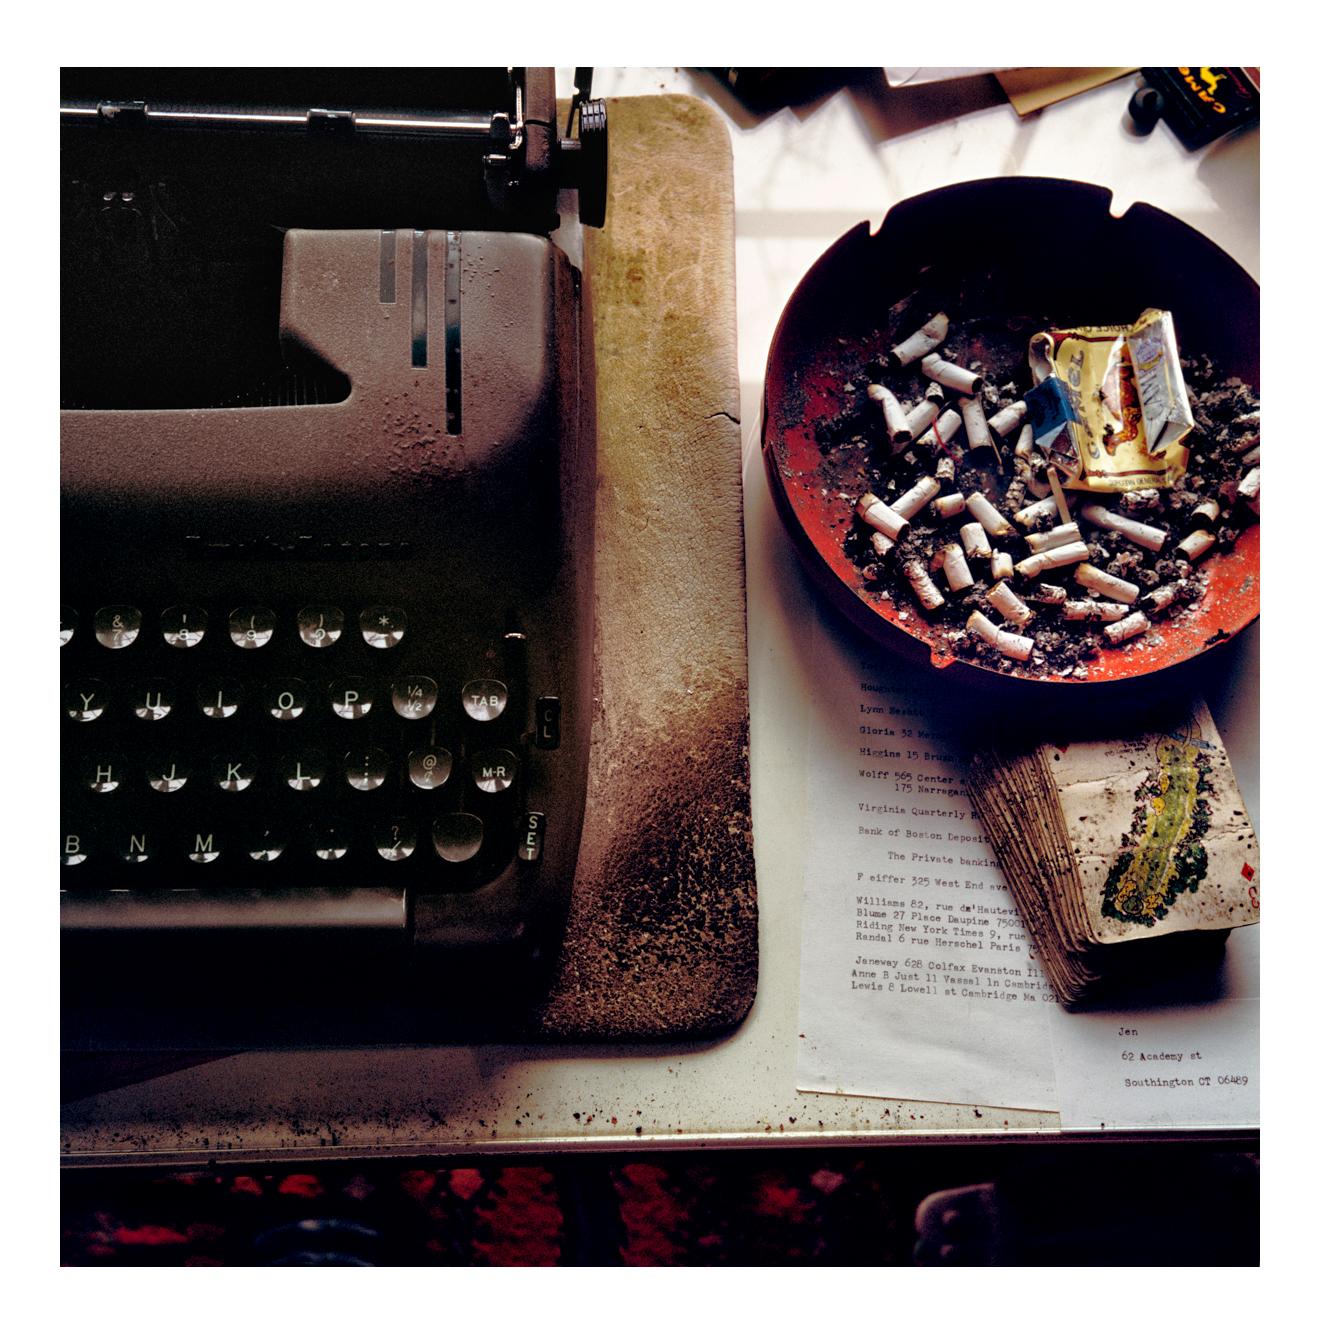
x=917 y=980
x=1184 y=1067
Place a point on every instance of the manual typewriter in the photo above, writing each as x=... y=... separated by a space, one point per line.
x=328 y=473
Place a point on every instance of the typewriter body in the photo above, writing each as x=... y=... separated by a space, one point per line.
x=328 y=475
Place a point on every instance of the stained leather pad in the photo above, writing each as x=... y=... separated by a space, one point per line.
x=662 y=931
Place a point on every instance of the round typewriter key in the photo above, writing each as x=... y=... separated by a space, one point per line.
x=286 y=698
x=251 y=627
x=183 y=627
x=73 y=850
x=414 y=697
x=102 y=775
x=166 y=774
x=329 y=842
x=303 y=772
x=234 y=776
x=266 y=845
x=494 y=771
x=430 y=769
x=383 y=627
x=203 y=846
x=68 y=624
x=457 y=836
x=366 y=770
x=396 y=840
x=485 y=700
x=319 y=627
x=136 y=846
x=85 y=700
x=118 y=626
x=351 y=697
x=153 y=699
x=220 y=697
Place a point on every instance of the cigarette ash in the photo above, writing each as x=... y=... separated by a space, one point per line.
x=1201 y=514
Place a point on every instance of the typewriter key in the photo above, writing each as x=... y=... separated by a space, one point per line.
x=166 y=774
x=183 y=627
x=251 y=627
x=319 y=627
x=304 y=772
x=366 y=770
x=153 y=699
x=329 y=842
x=396 y=840
x=85 y=700
x=266 y=845
x=430 y=769
x=457 y=836
x=203 y=846
x=117 y=627
x=383 y=627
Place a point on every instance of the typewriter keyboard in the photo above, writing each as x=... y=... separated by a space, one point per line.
x=310 y=745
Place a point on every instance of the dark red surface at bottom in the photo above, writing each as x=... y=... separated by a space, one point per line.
x=693 y=1209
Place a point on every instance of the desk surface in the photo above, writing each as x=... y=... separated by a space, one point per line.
x=800 y=181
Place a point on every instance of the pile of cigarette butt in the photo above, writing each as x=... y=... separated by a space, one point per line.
x=963 y=521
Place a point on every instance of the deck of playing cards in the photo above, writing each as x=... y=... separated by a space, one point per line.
x=1129 y=860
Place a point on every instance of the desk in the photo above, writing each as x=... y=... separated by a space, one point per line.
x=800 y=182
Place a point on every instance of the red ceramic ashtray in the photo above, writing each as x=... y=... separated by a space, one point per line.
x=1052 y=246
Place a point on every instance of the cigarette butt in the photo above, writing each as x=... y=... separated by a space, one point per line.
x=1206 y=515
x=916 y=497
x=1102 y=582
x=923 y=586
x=1008 y=604
x=1056 y=490
x=1118 y=631
x=1252 y=456
x=957 y=378
x=1051 y=595
x=1144 y=535
x=975 y=425
x=925 y=340
x=945 y=507
x=1009 y=418
x=1195 y=545
x=957 y=572
x=943 y=429
x=1249 y=489
x=944 y=470
x=1054 y=559
x=1143 y=498
x=1158 y=600
x=974 y=541
x=935 y=391
x=1038 y=512
x=894 y=417
x=881 y=545
x=1015 y=646
x=1054 y=537
x=1023 y=450
x=872 y=510
x=1089 y=609
x=1040 y=357
x=988 y=517
x=920 y=418
x=1014 y=494
x=1001 y=565
x=1249 y=425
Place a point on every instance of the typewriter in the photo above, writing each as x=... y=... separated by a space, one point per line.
x=327 y=488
